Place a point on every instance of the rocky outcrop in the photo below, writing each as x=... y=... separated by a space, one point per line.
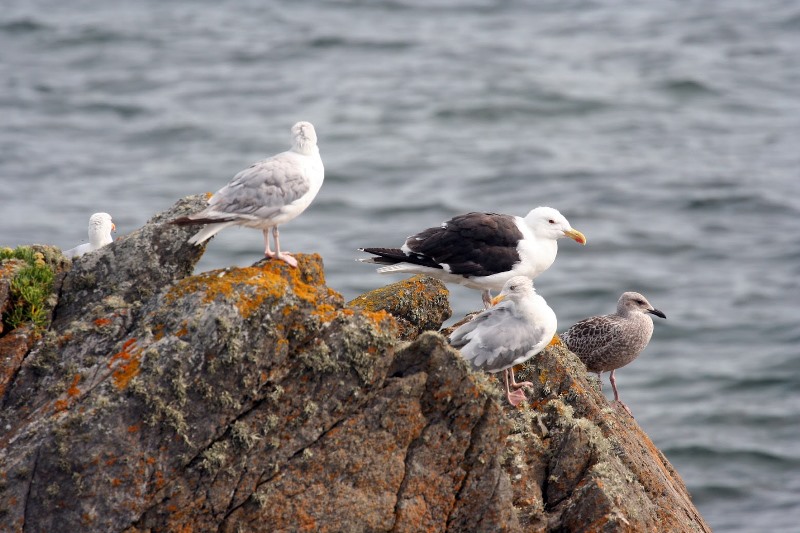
x=254 y=399
x=417 y=304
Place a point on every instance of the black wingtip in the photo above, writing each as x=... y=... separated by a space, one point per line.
x=181 y=221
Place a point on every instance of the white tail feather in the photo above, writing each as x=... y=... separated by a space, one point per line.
x=209 y=231
x=405 y=267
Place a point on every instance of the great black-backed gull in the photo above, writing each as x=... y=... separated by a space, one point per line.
x=514 y=330
x=609 y=342
x=481 y=250
x=266 y=195
x=100 y=228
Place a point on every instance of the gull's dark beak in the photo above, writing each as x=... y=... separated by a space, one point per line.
x=657 y=313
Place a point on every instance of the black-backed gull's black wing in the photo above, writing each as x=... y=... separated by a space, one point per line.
x=474 y=244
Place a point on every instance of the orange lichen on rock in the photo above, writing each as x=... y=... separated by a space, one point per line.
x=325 y=312
x=417 y=304
x=128 y=366
x=158 y=332
x=100 y=322
x=379 y=317
x=73 y=390
x=249 y=288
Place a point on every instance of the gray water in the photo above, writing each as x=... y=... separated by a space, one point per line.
x=666 y=131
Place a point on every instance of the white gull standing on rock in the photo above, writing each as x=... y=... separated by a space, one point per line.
x=266 y=195
x=481 y=250
x=609 y=342
x=518 y=327
x=100 y=228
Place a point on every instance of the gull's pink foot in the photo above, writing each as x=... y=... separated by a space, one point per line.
x=287 y=258
x=516 y=397
x=624 y=407
x=514 y=381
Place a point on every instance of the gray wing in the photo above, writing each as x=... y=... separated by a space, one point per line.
x=462 y=335
x=592 y=336
x=493 y=340
x=263 y=189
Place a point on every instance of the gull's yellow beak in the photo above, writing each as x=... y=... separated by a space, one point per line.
x=113 y=227
x=576 y=236
x=497 y=299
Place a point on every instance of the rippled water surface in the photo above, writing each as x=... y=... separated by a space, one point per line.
x=666 y=131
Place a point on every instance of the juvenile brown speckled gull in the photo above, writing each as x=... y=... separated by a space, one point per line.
x=609 y=342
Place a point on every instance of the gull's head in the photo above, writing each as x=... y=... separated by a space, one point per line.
x=304 y=138
x=633 y=302
x=102 y=222
x=516 y=289
x=548 y=223
x=100 y=228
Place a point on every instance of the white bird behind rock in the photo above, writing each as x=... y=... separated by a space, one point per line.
x=481 y=250
x=269 y=193
x=100 y=228
x=517 y=328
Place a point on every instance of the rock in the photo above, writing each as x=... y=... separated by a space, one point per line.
x=580 y=461
x=418 y=304
x=253 y=399
x=13 y=347
x=8 y=270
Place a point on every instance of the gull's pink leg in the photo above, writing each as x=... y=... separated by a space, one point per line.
x=514 y=398
x=514 y=381
x=616 y=394
x=267 y=251
x=283 y=256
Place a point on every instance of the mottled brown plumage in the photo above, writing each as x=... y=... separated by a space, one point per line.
x=608 y=342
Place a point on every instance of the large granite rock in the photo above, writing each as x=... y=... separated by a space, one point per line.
x=254 y=399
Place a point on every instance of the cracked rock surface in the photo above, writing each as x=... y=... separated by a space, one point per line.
x=254 y=399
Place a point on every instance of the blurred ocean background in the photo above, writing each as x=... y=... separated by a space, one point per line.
x=668 y=132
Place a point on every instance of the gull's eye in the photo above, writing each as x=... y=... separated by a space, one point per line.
x=552 y=221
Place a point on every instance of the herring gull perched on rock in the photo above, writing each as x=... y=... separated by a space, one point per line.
x=266 y=195
x=609 y=342
x=481 y=250
x=514 y=330
x=100 y=228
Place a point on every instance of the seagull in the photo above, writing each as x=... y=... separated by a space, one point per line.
x=609 y=342
x=517 y=328
x=481 y=250
x=100 y=228
x=269 y=193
